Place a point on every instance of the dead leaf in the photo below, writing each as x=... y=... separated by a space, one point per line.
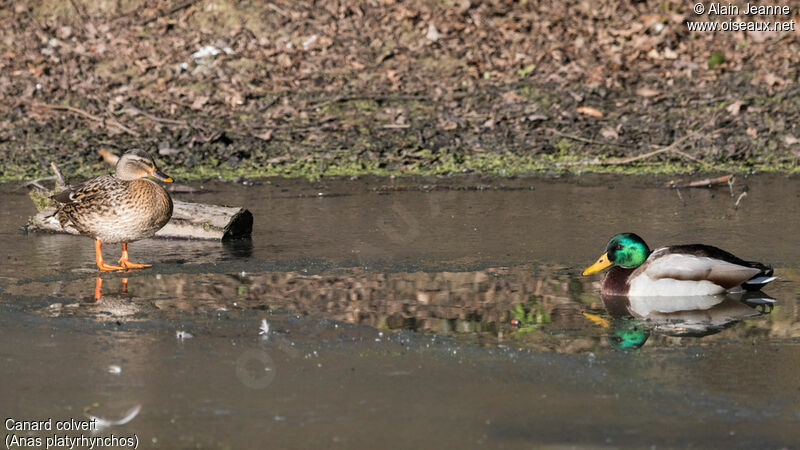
x=35 y=70
x=734 y=107
x=265 y=136
x=392 y=75
x=513 y=97
x=589 y=111
x=652 y=19
x=234 y=99
x=646 y=92
x=143 y=65
x=284 y=60
x=752 y=132
x=791 y=140
x=433 y=33
x=199 y=102
x=609 y=133
x=771 y=79
x=758 y=36
x=447 y=125
x=65 y=32
x=161 y=83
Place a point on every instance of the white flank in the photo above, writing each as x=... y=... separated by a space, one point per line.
x=689 y=267
x=644 y=286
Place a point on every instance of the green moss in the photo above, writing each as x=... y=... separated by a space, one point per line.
x=563 y=146
x=525 y=71
x=715 y=59
x=245 y=65
x=444 y=64
x=392 y=154
x=498 y=164
x=40 y=199
x=541 y=97
x=364 y=105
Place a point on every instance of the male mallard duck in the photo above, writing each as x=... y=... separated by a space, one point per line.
x=119 y=208
x=678 y=270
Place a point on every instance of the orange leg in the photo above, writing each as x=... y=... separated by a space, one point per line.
x=98 y=251
x=126 y=263
x=98 y=289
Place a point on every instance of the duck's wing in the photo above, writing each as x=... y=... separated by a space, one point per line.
x=84 y=192
x=76 y=204
x=702 y=262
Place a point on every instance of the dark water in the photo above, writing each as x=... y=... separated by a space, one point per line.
x=416 y=312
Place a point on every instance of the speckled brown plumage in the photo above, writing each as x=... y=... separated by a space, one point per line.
x=115 y=211
x=119 y=208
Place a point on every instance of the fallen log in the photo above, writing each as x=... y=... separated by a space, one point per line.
x=189 y=220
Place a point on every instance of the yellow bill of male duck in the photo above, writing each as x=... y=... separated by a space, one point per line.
x=118 y=208
x=677 y=270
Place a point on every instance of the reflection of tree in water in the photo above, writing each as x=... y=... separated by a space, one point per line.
x=530 y=316
x=537 y=308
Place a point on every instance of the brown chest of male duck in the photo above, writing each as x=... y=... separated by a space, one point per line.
x=119 y=208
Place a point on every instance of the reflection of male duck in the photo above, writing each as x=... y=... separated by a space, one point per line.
x=634 y=318
x=697 y=316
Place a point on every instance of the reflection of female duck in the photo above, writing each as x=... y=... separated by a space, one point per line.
x=679 y=270
x=111 y=306
x=98 y=289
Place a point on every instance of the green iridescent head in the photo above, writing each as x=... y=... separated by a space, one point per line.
x=625 y=250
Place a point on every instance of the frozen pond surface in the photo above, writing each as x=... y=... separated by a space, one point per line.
x=409 y=312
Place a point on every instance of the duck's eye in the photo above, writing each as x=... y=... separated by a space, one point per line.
x=618 y=247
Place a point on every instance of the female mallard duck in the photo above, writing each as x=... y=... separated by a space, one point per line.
x=679 y=270
x=119 y=208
